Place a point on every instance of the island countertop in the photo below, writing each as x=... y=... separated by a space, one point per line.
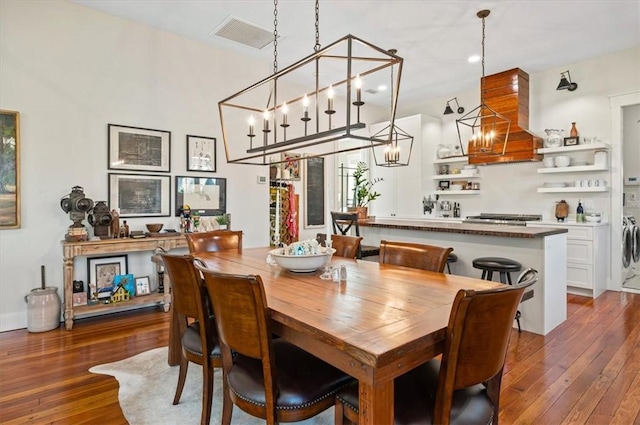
x=466 y=228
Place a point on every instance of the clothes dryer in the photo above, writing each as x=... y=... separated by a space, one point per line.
x=627 y=248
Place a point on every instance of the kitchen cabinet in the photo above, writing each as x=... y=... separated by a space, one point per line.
x=401 y=187
x=594 y=169
x=587 y=257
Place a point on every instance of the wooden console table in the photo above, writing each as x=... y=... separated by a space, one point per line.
x=70 y=250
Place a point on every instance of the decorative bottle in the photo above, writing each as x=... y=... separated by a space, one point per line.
x=574 y=130
x=580 y=213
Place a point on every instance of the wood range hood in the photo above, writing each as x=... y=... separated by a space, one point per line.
x=508 y=94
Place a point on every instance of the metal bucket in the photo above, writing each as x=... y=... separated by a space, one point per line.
x=43 y=309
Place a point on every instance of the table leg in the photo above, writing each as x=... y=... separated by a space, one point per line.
x=376 y=403
x=67 y=266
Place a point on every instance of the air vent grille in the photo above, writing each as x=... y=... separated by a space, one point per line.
x=243 y=32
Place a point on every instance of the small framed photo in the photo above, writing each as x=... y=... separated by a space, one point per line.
x=571 y=141
x=201 y=153
x=138 y=195
x=102 y=272
x=206 y=195
x=443 y=184
x=139 y=149
x=127 y=282
x=290 y=166
x=143 y=286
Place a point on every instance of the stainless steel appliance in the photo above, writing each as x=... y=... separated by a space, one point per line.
x=510 y=219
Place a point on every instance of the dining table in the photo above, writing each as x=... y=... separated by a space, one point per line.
x=379 y=323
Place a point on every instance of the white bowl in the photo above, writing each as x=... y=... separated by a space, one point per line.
x=562 y=161
x=549 y=162
x=302 y=263
x=456 y=187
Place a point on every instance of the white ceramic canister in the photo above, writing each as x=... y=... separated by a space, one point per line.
x=600 y=158
x=43 y=309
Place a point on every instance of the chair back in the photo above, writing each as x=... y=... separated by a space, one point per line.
x=343 y=222
x=419 y=256
x=476 y=343
x=528 y=275
x=217 y=240
x=346 y=246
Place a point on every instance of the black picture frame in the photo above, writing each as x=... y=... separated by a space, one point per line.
x=443 y=184
x=139 y=149
x=201 y=154
x=205 y=195
x=314 y=196
x=571 y=141
x=140 y=195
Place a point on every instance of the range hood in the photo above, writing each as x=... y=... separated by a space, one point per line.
x=508 y=93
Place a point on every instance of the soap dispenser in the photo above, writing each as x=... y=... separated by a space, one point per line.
x=580 y=213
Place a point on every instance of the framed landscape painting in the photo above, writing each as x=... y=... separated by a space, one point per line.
x=9 y=170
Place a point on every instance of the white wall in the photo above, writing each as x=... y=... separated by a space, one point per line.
x=70 y=71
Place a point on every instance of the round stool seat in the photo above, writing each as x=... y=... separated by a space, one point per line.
x=497 y=264
x=452 y=258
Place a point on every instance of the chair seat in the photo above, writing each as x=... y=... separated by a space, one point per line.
x=452 y=258
x=303 y=380
x=414 y=402
x=497 y=264
x=191 y=342
x=369 y=250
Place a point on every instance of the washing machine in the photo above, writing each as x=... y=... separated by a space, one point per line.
x=627 y=248
x=635 y=243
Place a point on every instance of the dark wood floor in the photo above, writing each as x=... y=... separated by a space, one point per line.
x=586 y=371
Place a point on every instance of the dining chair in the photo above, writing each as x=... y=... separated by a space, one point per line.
x=464 y=386
x=216 y=240
x=419 y=256
x=269 y=378
x=196 y=327
x=346 y=246
x=527 y=275
x=343 y=223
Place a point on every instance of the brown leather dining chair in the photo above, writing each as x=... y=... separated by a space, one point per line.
x=216 y=240
x=269 y=378
x=345 y=246
x=196 y=327
x=418 y=256
x=463 y=387
x=347 y=224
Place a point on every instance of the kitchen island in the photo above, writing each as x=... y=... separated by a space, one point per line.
x=542 y=248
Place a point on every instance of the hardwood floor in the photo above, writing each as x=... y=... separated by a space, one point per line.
x=586 y=371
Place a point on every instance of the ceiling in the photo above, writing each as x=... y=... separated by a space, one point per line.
x=434 y=37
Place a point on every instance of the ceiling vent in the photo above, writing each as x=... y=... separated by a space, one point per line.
x=243 y=32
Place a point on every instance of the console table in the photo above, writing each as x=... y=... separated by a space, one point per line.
x=71 y=250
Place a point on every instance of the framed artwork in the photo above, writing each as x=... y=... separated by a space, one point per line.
x=102 y=272
x=443 y=184
x=143 y=287
x=571 y=141
x=10 y=170
x=314 y=187
x=201 y=153
x=139 y=149
x=139 y=195
x=127 y=282
x=205 y=195
x=290 y=166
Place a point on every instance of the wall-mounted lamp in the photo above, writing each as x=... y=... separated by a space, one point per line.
x=566 y=83
x=448 y=109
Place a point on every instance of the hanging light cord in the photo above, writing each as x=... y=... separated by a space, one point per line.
x=317 y=46
x=275 y=36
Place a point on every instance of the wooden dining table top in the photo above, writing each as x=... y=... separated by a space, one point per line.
x=383 y=321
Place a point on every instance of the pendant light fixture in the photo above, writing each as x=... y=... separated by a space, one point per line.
x=449 y=111
x=566 y=83
x=484 y=130
x=318 y=106
x=397 y=151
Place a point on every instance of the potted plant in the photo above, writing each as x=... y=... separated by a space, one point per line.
x=363 y=192
x=223 y=221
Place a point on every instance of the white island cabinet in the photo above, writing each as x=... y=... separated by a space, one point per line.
x=401 y=188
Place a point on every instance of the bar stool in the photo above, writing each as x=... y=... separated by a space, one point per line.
x=452 y=258
x=504 y=266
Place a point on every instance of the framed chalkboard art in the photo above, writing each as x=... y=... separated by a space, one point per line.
x=314 y=199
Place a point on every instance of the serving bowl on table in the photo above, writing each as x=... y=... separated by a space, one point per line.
x=302 y=263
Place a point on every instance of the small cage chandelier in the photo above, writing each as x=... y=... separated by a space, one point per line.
x=397 y=152
x=485 y=131
x=318 y=106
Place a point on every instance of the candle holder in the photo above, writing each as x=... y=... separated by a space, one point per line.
x=305 y=118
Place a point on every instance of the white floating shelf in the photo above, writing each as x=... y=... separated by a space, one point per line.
x=457 y=192
x=576 y=148
x=451 y=159
x=572 y=189
x=456 y=176
x=574 y=169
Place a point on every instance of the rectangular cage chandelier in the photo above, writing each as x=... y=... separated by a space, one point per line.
x=318 y=106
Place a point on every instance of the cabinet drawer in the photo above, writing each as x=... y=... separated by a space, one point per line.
x=580 y=251
x=580 y=232
x=580 y=275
